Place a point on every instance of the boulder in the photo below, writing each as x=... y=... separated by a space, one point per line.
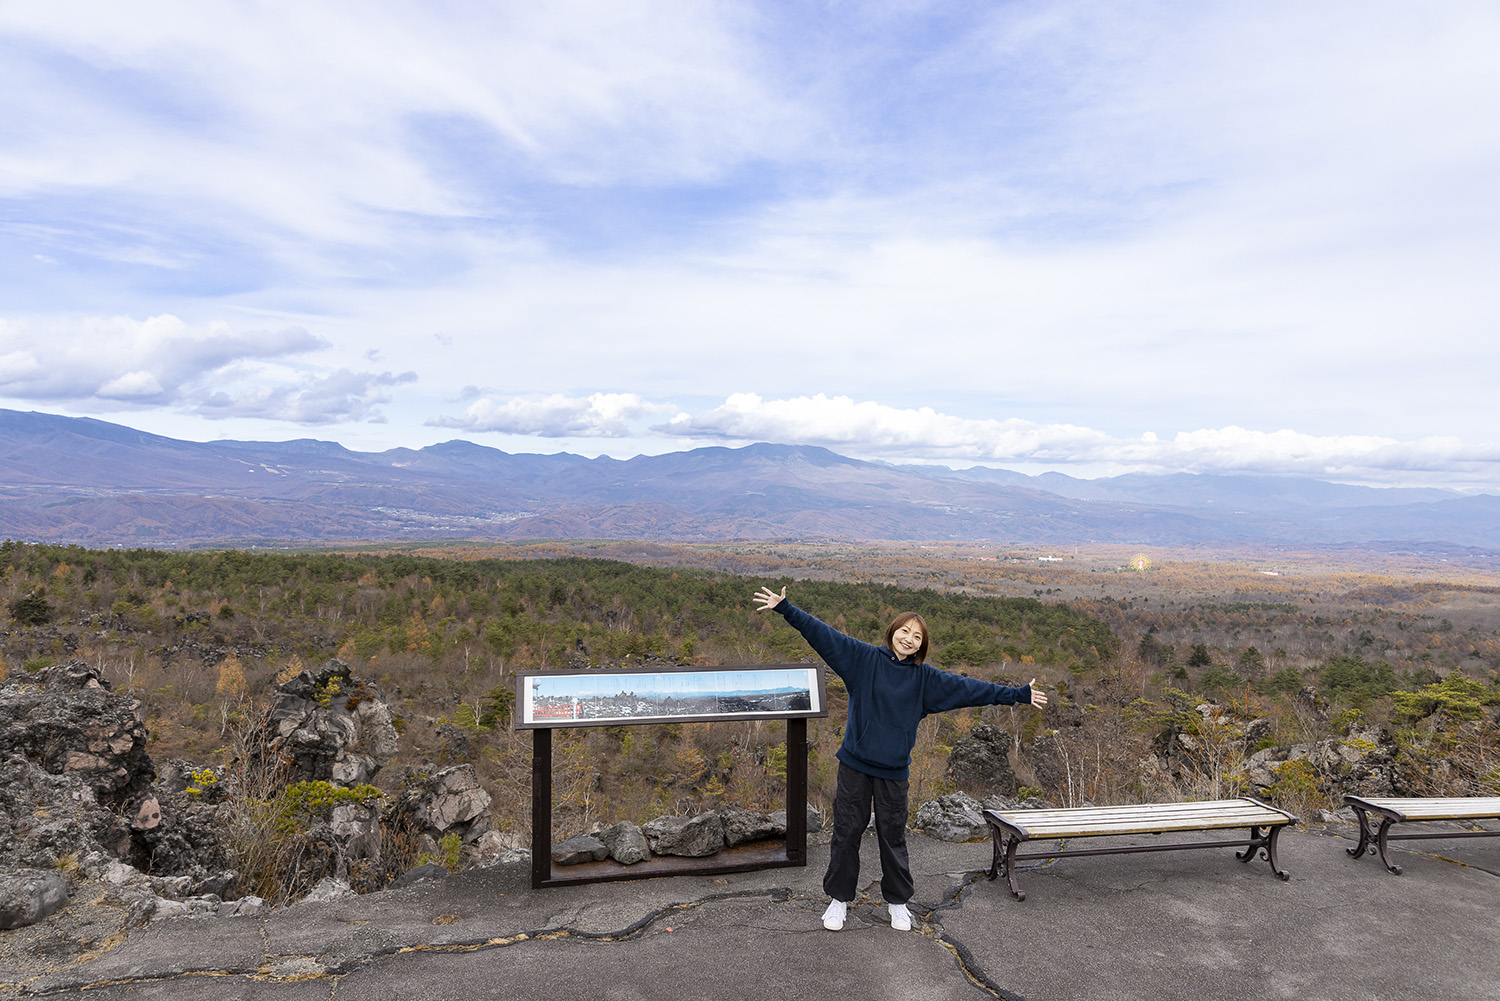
x=498 y=847
x=693 y=837
x=249 y=906
x=29 y=895
x=579 y=848
x=814 y=821
x=742 y=826
x=357 y=827
x=418 y=874
x=954 y=817
x=625 y=842
x=327 y=889
x=218 y=884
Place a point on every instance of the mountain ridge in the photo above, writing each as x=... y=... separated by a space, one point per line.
x=81 y=480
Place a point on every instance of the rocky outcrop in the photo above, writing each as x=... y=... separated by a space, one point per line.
x=67 y=721
x=155 y=898
x=980 y=762
x=434 y=804
x=326 y=726
x=74 y=773
x=45 y=817
x=1361 y=763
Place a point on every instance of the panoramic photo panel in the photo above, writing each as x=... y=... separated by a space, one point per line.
x=597 y=698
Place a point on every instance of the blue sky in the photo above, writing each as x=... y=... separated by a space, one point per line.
x=1097 y=237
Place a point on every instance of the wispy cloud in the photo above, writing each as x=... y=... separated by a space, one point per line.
x=1146 y=233
x=601 y=415
x=420 y=116
x=313 y=400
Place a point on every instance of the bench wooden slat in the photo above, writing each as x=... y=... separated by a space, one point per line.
x=1436 y=808
x=1203 y=806
x=1139 y=819
x=1148 y=811
x=1061 y=829
x=1196 y=810
x=1131 y=818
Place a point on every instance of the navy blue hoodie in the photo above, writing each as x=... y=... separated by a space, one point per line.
x=889 y=697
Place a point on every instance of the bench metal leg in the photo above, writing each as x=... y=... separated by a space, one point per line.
x=1271 y=854
x=1003 y=859
x=1011 y=844
x=1263 y=840
x=1372 y=839
x=1364 y=835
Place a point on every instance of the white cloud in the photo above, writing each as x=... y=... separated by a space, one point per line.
x=131 y=385
x=158 y=360
x=601 y=415
x=870 y=429
x=211 y=370
x=332 y=399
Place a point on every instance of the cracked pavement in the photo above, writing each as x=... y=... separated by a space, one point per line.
x=1165 y=925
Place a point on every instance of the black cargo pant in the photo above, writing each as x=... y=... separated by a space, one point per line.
x=856 y=794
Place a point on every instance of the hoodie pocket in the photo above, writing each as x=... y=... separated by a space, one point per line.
x=888 y=746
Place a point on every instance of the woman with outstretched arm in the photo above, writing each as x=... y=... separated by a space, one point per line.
x=891 y=689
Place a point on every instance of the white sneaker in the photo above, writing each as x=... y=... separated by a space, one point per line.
x=833 y=918
x=900 y=917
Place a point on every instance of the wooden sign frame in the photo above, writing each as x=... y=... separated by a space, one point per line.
x=746 y=704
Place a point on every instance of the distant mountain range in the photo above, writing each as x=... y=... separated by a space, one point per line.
x=84 y=481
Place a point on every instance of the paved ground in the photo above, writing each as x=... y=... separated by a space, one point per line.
x=1162 y=926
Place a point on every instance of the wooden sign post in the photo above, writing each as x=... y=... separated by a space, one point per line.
x=548 y=700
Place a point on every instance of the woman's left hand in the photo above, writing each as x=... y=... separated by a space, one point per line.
x=767 y=599
x=1038 y=697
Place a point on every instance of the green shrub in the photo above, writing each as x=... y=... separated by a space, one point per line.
x=1296 y=788
x=1454 y=698
x=1356 y=680
x=306 y=803
x=1287 y=680
x=450 y=853
x=31 y=609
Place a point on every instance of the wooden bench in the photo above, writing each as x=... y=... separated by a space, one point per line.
x=1373 y=836
x=1008 y=828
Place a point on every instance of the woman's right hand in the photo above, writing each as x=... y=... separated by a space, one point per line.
x=768 y=598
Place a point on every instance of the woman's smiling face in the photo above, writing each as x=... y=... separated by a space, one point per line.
x=907 y=639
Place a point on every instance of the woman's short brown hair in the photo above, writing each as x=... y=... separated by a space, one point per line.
x=890 y=634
